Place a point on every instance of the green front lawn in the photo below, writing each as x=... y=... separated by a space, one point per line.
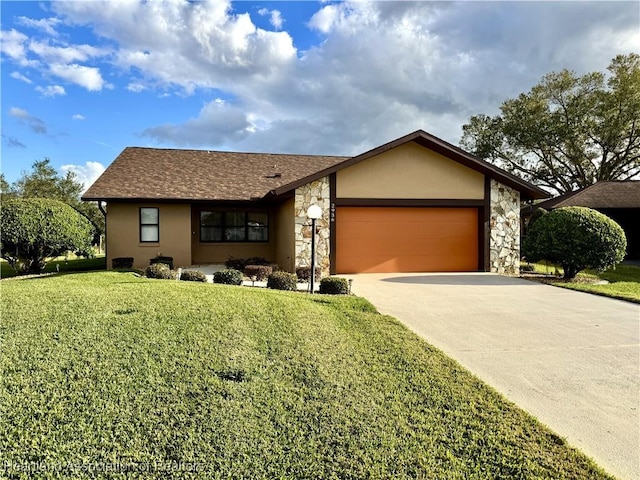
x=113 y=369
x=61 y=265
x=624 y=281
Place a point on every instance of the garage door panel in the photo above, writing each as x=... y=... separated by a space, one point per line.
x=392 y=230
x=398 y=239
x=404 y=247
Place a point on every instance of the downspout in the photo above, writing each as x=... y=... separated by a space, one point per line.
x=104 y=213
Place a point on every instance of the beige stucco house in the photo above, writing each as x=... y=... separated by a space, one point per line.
x=415 y=204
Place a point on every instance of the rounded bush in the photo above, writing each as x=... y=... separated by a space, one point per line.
x=575 y=238
x=257 y=261
x=334 y=286
x=159 y=270
x=282 y=281
x=34 y=229
x=304 y=273
x=228 y=277
x=122 y=262
x=536 y=215
x=161 y=259
x=235 y=264
x=193 y=276
x=261 y=272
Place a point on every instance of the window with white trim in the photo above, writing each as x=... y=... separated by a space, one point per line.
x=149 y=225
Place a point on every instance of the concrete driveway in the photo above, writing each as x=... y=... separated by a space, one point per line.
x=571 y=359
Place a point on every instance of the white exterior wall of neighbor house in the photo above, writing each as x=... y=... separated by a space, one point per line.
x=504 y=242
x=316 y=192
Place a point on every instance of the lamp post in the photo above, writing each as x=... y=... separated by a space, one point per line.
x=314 y=212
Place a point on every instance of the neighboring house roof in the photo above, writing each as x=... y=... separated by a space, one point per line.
x=612 y=194
x=169 y=174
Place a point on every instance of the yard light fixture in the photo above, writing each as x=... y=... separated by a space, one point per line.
x=314 y=213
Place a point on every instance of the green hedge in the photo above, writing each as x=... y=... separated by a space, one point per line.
x=228 y=277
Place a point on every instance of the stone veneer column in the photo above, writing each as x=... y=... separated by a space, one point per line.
x=504 y=248
x=315 y=192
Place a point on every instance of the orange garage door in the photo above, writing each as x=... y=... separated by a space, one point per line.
x=399 y=239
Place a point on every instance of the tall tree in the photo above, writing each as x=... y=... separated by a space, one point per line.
x=6 y=190
x=43 y=181
x=569 y=131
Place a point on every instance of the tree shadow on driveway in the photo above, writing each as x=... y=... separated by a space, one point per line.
x=458 y=279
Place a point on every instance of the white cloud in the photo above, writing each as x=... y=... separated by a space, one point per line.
x=218 y=122
x=382 y=69
x=12 y=44
x=188 y=44
x=275 y=17
x=47 y=25
x=78 y=116
x=36 y=124
x=22 y=78
x=65 y=53
x=87 y=77
x=136 y=87
x=51 y=90
x=86 y=174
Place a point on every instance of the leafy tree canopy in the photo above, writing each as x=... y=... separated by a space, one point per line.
x=43 y=181
x=569 y=131
x=575 y=238
x=34 y=229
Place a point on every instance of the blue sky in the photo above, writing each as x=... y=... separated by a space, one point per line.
x=83 y=80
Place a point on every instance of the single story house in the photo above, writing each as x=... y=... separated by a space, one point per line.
x=619 y=200
x=414 y=204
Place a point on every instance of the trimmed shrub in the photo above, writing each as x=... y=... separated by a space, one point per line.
x=261 y=272
x=536 y=215
x=229 y=276
x=257 y=261
x=34 y=229
x=241 y=263
x=304 y=273
x=527 y=268
x=282 y=281
x=161 y=259
x=575 y=238
x=334 y=286
x=236 y=264
x=193 y=276
x=122 y=262
x=161 y=271
x=275 y=267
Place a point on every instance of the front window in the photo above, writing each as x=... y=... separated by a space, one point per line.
x=234 y=226
x=149 y=224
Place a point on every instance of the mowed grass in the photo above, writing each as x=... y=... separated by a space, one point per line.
x=61 y=265
x=624 y=281
x=184 y=380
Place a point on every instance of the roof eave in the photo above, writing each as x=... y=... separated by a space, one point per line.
x=528 y=190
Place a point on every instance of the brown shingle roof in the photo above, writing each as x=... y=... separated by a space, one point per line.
x=623 y=194
x=192 y=175
x=169 y=174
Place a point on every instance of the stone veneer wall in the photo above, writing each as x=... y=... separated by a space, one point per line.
x=504 y=243
x=315 y=192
